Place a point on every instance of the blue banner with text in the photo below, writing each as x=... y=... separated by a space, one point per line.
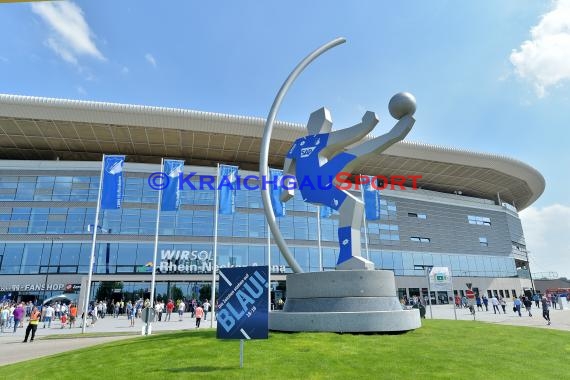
x=243 y=304
x=171 y=193
x=113 y=185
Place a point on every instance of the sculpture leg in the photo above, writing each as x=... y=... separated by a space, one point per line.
x=350 y=221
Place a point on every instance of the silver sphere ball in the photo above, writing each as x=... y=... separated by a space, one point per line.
x=402 y=104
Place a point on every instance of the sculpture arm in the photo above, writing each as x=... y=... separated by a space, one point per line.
x=289 y=170
x=380 y=143
x=338 y=140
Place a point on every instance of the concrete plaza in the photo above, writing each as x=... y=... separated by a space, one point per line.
x=13 y=350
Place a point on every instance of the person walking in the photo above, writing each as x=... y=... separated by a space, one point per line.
x=131 y=314
x=199 y=313
x=72 y=315
x=35 y=316
x=528 y=305
x=517 y=306
x=503 y=303
x=18 y=314
x=158 y=311
x=545 y=311
x=49 y=312
x=181 y=309
x=486 y=303
x=4 y=317
x=536 y=299
x=479 y=303
x=129 y=310
x=169 y=308
x=553 y=300
x=206 y=308
x=495 y=303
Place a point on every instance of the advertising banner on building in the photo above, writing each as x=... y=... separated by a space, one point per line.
x=112 y=190
x=243 y=303
x=440 y=279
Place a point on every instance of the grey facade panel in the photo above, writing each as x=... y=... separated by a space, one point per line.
x=449 y=230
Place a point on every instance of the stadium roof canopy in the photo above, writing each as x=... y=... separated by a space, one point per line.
x=33 y=128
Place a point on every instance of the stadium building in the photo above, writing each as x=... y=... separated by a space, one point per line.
x=464 y=214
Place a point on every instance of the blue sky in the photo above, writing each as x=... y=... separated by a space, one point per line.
x=488 y=76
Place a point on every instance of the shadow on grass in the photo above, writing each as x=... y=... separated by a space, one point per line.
x=200 y=369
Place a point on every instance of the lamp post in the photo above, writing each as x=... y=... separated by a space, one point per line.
x=426 y=268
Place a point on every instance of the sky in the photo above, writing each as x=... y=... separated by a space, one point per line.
x=489 y=76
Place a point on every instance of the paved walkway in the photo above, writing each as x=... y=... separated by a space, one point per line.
x=13 y=350
x=560 y=318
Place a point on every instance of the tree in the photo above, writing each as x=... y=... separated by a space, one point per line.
x=206 y=292
x=105 y=290
x=176 y=293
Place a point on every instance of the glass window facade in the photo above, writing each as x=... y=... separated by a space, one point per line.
x=45 y=218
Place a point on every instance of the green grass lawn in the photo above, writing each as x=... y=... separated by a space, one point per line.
x=440 y=349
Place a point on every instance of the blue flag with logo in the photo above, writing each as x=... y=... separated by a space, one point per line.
x=171 y=193
x=326 y=211
x=275 y=192
x=371 y=198
x=113 y=183
x=227 y=187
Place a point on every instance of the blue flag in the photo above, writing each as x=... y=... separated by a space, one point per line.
x=113 y=184
x=227 y=187
x=326 y=211
x=276 y=176
x=171 y=193
x=371 y=198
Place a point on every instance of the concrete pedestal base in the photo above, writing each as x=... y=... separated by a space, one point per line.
x=343 y=301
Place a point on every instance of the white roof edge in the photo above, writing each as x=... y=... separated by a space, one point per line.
x=175 y=118
x=34 y=107
x=500 y=163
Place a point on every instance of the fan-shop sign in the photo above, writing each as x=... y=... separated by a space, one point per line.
x=32 y=287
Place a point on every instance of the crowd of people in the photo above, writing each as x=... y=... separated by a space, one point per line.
x=499 y=304
x=13 y=315
x=163 y=310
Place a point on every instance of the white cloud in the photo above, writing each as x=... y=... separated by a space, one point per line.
x=71 y=36
x=81 y=90
x=546 y=233
x=150 y=59
x=125 y=70
x=544 y=60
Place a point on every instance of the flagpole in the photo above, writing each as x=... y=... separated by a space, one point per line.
x=319 y=245
x=269 y=260
x=92 y=257
x=452 y=293
x=364 y=222
x=157 y=225
x=216 y=210
x=269 y=267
